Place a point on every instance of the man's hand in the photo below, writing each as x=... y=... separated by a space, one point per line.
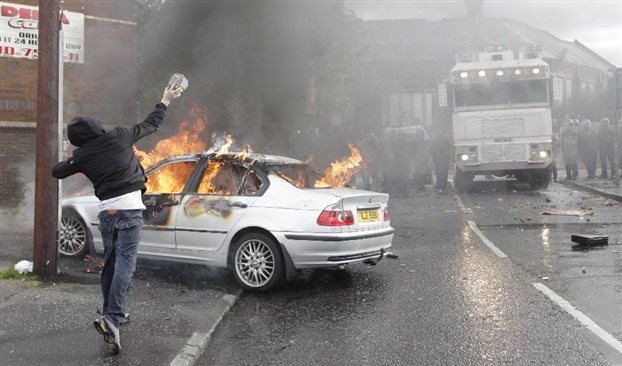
x=171 y=92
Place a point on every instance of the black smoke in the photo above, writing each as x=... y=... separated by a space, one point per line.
x=251 y=64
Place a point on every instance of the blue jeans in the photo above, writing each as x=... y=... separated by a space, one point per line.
x=120 y=231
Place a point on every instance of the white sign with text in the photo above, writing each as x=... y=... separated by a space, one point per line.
x=19 y=34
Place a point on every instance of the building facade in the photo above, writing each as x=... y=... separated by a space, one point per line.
x=99 y=78
x=397 y=81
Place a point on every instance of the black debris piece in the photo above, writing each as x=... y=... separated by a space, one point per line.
x=590 y=239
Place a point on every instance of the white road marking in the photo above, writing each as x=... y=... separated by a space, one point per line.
x=582 y=318
x=484 y=239
x=460 y=203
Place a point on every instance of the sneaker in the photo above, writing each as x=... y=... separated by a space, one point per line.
x=110 y=333
x=126 y=317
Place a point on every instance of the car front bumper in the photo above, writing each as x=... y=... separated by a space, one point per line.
x=331 y=249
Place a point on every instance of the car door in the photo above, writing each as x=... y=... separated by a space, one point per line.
x=223 y=195
x=165 y=185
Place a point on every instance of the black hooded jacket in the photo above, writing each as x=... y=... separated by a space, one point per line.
x=107 y=158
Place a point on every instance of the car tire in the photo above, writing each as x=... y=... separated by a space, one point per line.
x=256 y=262
x=74 y=237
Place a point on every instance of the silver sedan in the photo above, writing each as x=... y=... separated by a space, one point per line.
x=259 y=215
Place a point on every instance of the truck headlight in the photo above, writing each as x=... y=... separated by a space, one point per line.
x=543 y=154
x=466 y=154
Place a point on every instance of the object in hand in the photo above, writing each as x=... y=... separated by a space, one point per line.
x=178 y=81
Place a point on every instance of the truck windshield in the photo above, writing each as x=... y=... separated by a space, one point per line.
x=501 y=93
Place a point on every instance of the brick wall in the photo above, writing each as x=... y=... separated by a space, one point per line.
x=104 y=86
x=17 y=156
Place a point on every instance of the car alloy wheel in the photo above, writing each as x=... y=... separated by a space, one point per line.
x=257 y=262
x=73 y=236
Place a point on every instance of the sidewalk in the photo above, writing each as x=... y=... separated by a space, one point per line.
x=50 y=322
x=602 y=187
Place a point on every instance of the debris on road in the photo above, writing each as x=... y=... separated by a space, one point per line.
x=94 y=264
x=583 y=270
x=579 y=213
x=590 y=239
x=392 y=255
x=24 y=267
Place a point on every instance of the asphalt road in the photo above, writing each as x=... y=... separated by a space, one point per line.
x=448 y=299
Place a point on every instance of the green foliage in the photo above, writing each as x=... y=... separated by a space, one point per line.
x=12 y=274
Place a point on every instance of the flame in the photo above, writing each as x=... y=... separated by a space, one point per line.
x=341 y=171
x=224 y=149
x=186 y=141
x=242 y=155
x=207 y=184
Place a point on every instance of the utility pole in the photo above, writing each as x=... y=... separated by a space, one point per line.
x=46 y=187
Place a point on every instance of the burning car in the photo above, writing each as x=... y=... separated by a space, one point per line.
x=262 y=216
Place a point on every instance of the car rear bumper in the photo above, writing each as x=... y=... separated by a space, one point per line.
x=331 y=249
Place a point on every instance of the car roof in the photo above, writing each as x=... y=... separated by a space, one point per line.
x=266 y=160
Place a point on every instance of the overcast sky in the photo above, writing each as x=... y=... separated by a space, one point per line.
x=595 y=23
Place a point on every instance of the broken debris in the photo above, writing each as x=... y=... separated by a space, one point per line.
x=590 y=239
x=24 y=267
x=578 y=213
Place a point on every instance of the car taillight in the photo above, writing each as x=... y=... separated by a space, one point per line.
x=334 y=215
x=386 y=215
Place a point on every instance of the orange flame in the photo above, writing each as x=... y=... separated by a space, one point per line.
x=186 y=141
x=341 y=171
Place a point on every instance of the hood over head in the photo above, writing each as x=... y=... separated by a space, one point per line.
x=84 y=129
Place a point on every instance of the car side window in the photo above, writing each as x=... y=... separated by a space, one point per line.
x=251 y=184
x=170 y=178
x=221 y=178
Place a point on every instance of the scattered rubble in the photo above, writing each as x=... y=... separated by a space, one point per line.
x=582 y=212
x=24 y=266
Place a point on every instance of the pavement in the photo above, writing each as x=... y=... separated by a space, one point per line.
x=173 y=309
x=601 y=187
x=176 y=309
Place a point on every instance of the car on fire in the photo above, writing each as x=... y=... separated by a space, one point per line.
x=261 y=216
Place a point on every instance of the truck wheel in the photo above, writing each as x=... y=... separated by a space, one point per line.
x=462 y=180
x=539 y=179
x=257 y=263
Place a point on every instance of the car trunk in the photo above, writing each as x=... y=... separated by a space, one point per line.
x=367 y=207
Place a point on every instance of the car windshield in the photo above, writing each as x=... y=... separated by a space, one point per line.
x=300 y=175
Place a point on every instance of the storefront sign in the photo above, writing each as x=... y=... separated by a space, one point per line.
x=19 y=34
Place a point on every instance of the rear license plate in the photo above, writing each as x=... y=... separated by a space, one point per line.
x=369 y=215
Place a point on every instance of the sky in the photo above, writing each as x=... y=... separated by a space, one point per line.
x=595 y=23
